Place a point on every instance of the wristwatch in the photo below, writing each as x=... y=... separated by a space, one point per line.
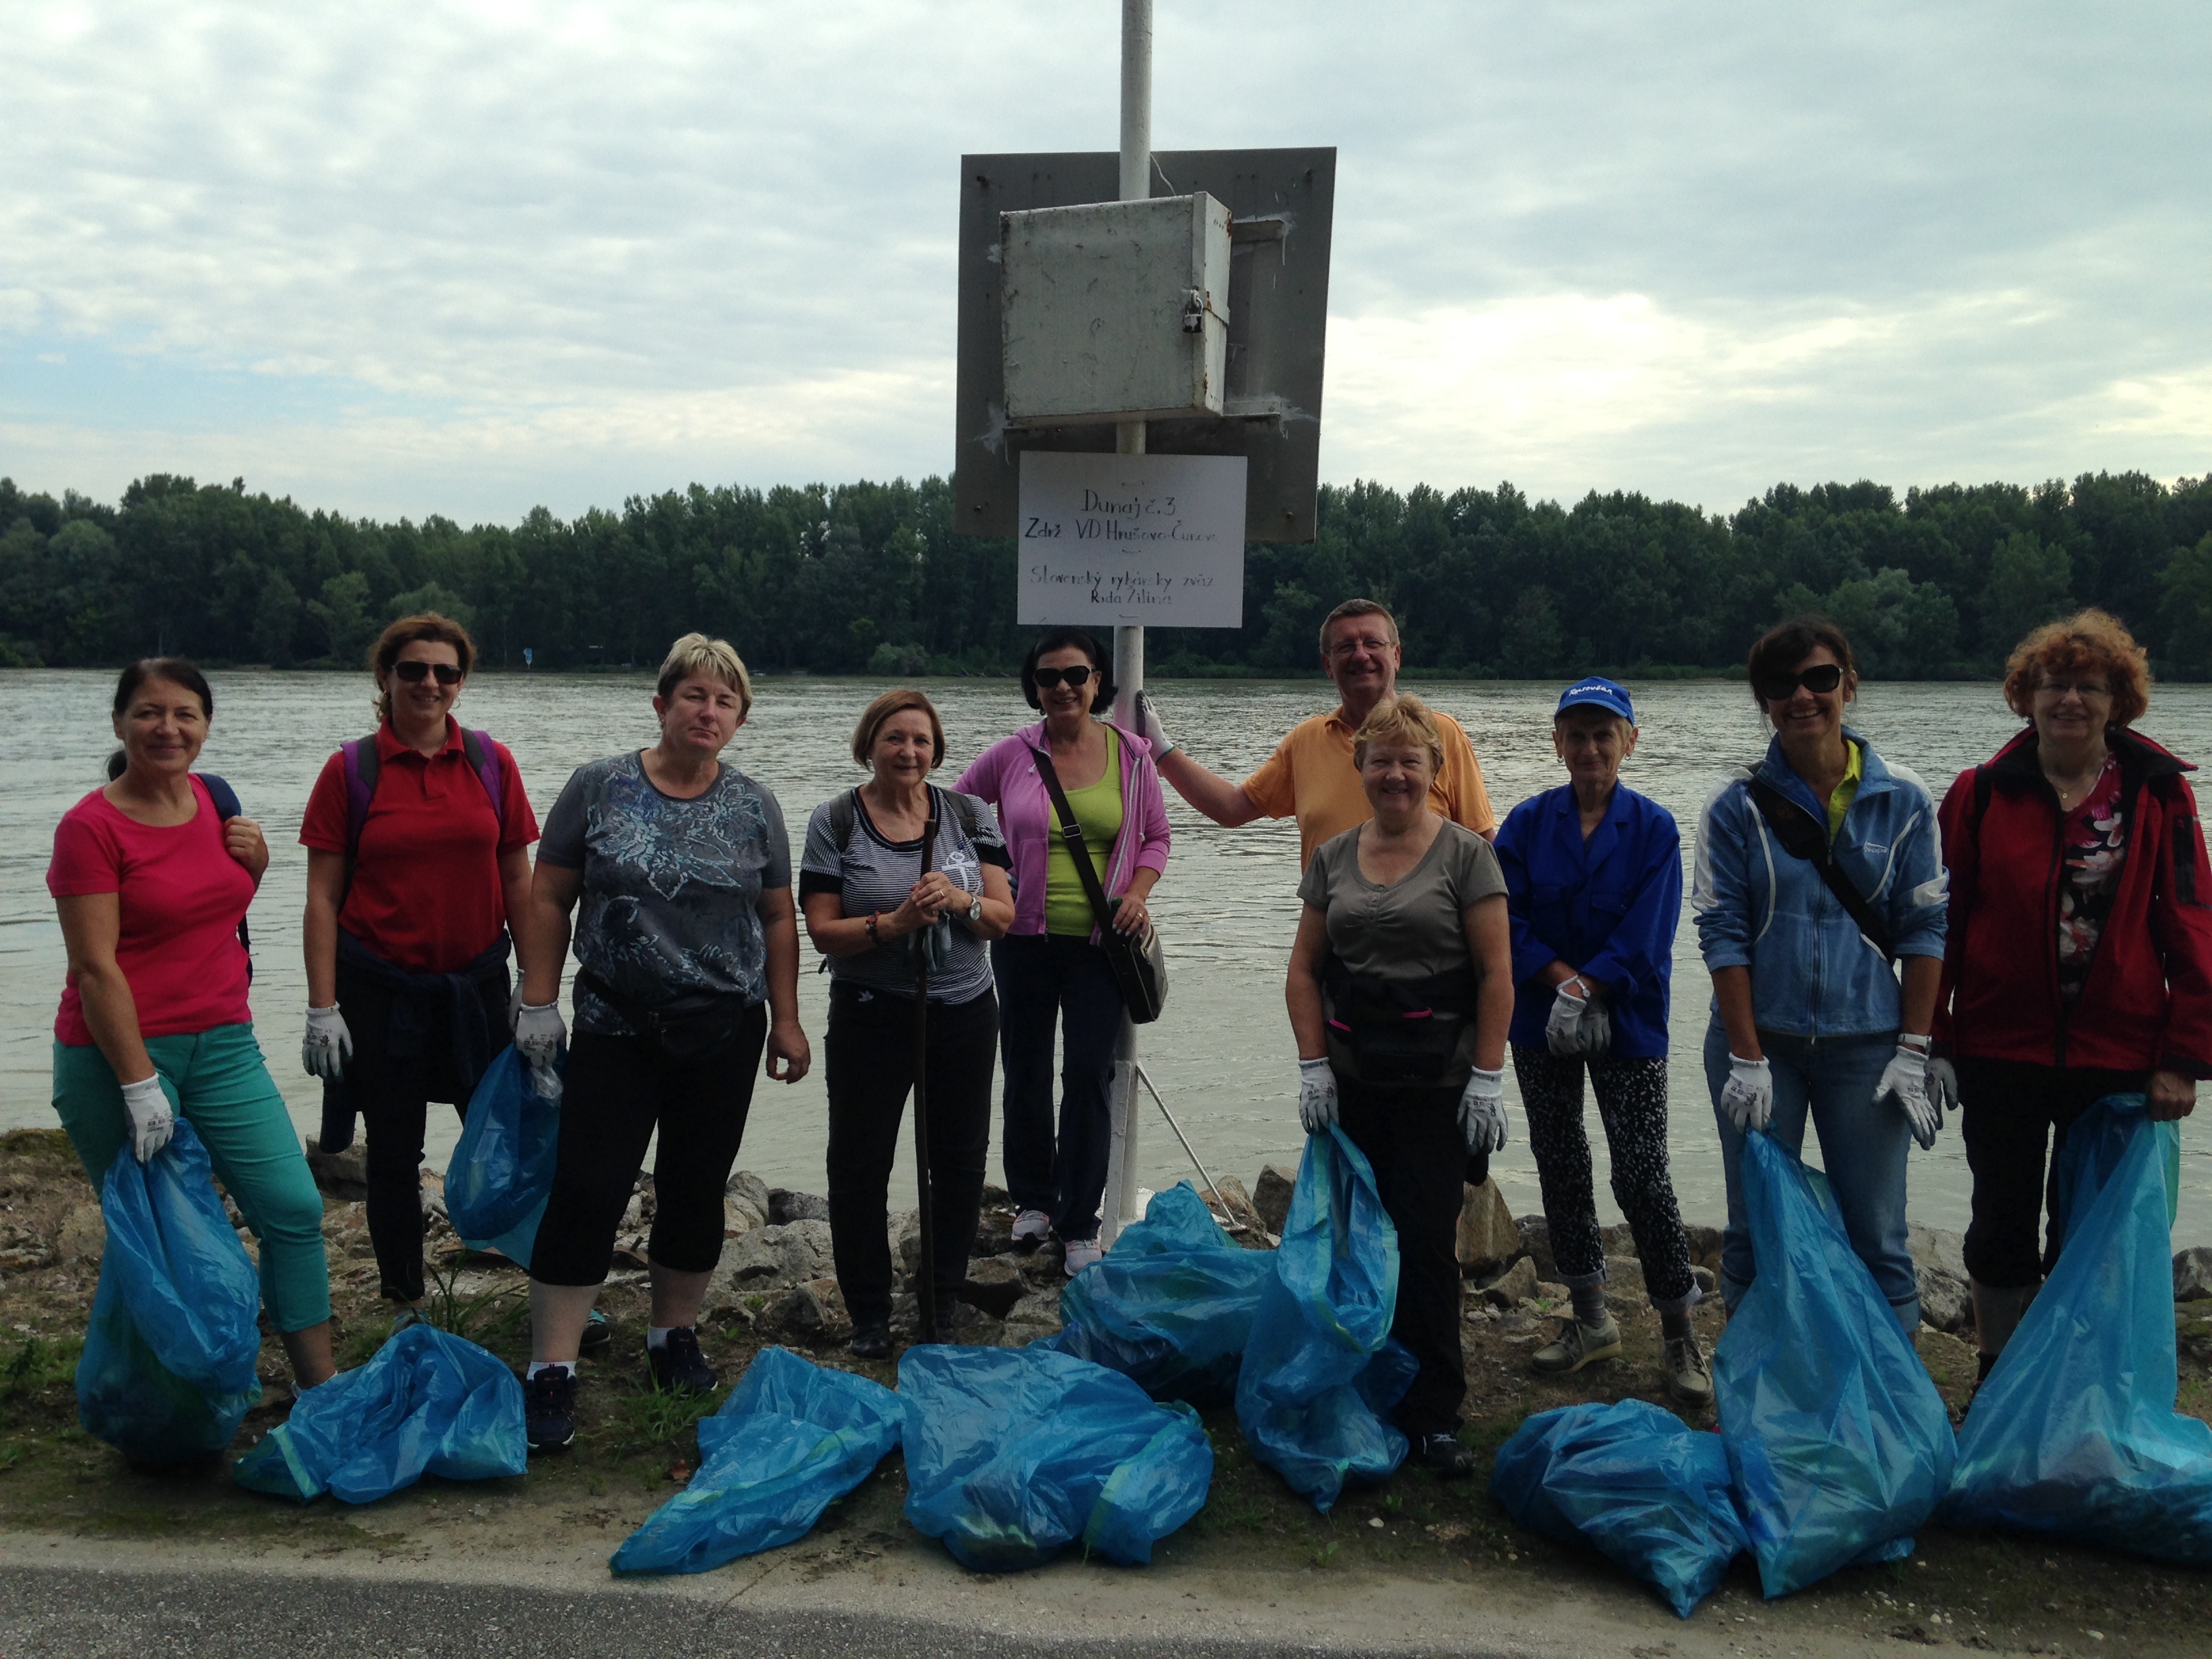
x=975 y=908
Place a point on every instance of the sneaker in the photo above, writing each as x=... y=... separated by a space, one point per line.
x=1577 y=1345
x=597 y=1333
x=872 y=1341
x=1082 y=1253
x=678 y=1366
x=549 y=1408
x=1032 y=1229
x=1689 y=1379
x=1443 y=1457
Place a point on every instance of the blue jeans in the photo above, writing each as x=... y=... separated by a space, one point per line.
x=1863 y=1143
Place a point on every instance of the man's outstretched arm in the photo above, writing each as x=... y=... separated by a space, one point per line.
x=1208 y=792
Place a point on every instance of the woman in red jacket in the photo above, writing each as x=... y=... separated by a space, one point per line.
x=2079 y=958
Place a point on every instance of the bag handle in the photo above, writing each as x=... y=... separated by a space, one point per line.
x=1071 y=833
x=1803 y=839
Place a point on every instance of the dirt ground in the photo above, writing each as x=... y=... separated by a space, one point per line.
x=1988 y=1591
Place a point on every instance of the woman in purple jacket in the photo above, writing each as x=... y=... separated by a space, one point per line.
x=1049 y=966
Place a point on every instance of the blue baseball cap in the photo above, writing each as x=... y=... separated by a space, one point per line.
x=1597 y=692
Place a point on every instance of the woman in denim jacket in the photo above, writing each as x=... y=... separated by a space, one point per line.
x=1808 y=1012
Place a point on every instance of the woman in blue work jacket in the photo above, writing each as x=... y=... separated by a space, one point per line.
x=1820 y=885
x=1594 y=889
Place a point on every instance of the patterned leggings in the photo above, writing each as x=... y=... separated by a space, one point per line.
x=1631 y=1103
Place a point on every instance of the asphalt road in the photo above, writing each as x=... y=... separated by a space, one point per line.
x=79 y=1612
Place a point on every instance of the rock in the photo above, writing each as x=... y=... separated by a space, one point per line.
x=812 y=1313
x=1044 y=1268
x=342 y=1175
x=1624 y=1273
x=1020 y=1332
x=995 y=1285
x=1038 y=1308
x=1617 y=1240
x=994 y=1234
x=771 y=1258
x=1704 y=1247
x=82 y=1237
x=1537 y=1239
x=905 y=1229
x=1518 y=1282
x=1935 y=1247
x=1271 y=1196
x=785 y=1206
x=1708 y=1280
x=1231 y=1199
x=2192 y=1273
x=744 y=1204
x=1945 y=1302
x=1488 y=1237
x=1558 y=1295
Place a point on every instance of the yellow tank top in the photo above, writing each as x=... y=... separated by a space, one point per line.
x=1098 y=809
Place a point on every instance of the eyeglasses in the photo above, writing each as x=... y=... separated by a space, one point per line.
x=1821 y=676
x=2086 y=688
x=1076 y=677
x=1368 y=642
x=414 y=672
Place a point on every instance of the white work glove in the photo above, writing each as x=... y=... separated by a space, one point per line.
x=327 y=1046
x=1317 y=1097
x=1905 y=1079
x=1597 y=1028
x=540 y=1032
x=1943 y=1084
x=146 y=1107
x=1563 y=1031
x=1747 y=1096
x=1148 y=723
x=1482 y=1111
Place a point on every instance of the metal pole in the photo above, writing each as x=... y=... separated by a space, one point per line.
x=1120 y=1198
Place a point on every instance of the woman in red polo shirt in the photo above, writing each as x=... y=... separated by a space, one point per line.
x=417 y=874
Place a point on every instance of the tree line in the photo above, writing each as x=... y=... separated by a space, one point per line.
x=871 y=578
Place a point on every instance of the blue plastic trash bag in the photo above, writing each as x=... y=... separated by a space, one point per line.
x=1319 y=1375
x=1014 y=1454
x=1840 y=1445
x=1170 y=1306
x=2074 y=1432
x=502 y=1169
x=791 y=1440
x=168 y=1371
x=427 y=1403
x=1633 y=1482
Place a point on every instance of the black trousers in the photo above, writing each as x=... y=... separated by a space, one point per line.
x=2011 y=1112
x=392 y=1094
x=869 y=1070
x=617 y=1092
x=1047 y=980
x=1412 y=1138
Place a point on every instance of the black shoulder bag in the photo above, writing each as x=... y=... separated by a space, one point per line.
x=1802 y=837
x=1139 y=965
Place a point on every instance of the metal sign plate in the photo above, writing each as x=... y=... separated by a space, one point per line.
x=1283 y=201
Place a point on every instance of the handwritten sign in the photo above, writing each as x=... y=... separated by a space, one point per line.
x=1156 y=541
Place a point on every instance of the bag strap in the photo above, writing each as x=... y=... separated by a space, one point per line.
x=1802 y=837
x=224 y=800
x=363 y=766
x=1071 y=833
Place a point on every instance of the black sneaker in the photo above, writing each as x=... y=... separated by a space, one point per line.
x=597 y=1333
x=1443 y=1457
x=549 y=1408
x=872 y=1341
x=679 y=1367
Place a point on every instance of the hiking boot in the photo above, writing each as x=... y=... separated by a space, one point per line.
x=1443 y=1457
x=1577 y=1345
x=549 y=1408
x=1082 y=1253
x=597 y=1333
x=678 y=1366
x=1032 y=1229
x=872 y=1341
x=1689 y=1378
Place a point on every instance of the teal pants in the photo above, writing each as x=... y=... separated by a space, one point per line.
x=218 y=1081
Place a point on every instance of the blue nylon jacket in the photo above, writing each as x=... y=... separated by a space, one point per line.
x=1608 y=905
x=1812 y=973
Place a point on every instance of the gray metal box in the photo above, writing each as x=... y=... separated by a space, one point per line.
x=1281 y=202
x=1113 y=311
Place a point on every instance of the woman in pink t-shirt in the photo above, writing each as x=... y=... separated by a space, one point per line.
x=151 y=882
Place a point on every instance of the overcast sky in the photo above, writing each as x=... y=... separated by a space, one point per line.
x=427 y=257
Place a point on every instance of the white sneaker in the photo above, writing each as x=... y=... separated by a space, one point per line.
x=1032 y=1229
x=1081 y=1252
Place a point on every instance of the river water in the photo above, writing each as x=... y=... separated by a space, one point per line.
x=1221 y=1054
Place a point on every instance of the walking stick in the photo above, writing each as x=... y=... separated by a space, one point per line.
x=925 y=1288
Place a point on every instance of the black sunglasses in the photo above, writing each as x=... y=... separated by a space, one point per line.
x=1077 y=677
x=1823 y=677
x=413 y=672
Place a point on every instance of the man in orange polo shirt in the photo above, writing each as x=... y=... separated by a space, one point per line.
x=1310 y=776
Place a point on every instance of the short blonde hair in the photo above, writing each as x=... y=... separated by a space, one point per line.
x=2093 y=640
x=695 y=654
x=1403 y=718
x=896 y=702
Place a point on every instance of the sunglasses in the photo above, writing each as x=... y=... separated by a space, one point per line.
x=1824 y=677
x=1076 y=678
x=414 y=672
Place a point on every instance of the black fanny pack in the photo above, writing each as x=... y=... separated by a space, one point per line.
x=1398 y=1030
x=684 y=1027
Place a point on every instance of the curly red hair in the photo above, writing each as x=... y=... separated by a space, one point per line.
x=2093 y=640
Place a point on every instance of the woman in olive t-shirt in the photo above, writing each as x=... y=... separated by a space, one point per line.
x=1401 y=989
